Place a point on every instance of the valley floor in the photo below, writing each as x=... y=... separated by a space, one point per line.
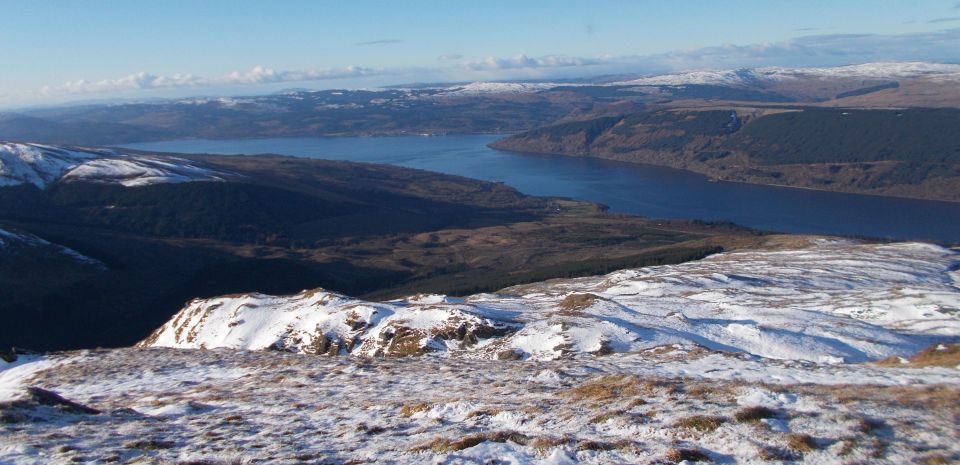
x=664 y=405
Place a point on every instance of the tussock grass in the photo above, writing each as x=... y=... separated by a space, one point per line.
x=937 y=355
x=870 y=425
x=935 y=459
x=606 y=416
x=149 y=444
x=609 y=387
x=410 y=409
x=701 y=422
x=799 y=442
x=692 y=455
x=754 y=414
x=542 y=443
x=771 y=453
x=574 y=303
x=441 y=445
x=482 y=412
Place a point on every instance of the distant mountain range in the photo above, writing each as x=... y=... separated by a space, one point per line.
x=753 y=76
x=480 y=107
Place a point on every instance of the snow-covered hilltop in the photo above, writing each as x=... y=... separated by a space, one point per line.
x=481 y=88
x=42 y=165
x=828 y=301
x=755 y=76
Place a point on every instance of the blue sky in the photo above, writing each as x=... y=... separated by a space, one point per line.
x=55 y=51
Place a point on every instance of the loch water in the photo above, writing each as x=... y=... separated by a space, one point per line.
x=624 y=187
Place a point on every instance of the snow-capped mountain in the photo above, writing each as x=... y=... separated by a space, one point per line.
x=754 y=76
x=480 y=88
x=826 y=302
x=41 y=165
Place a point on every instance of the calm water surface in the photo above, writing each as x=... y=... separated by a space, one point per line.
x=625 y=188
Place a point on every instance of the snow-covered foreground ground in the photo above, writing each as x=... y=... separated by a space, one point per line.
x=739 y=358
x=163 y=405
x=825 y=301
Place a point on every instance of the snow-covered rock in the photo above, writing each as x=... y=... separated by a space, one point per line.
x=828 y=302
x=42 y=165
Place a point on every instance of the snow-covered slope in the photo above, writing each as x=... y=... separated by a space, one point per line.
x=41 y=165
x=830 y=301
x=752 y=76
x=11 y=241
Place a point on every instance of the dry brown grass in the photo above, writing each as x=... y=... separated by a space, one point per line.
x=753 y=414
x=603 y=417
x=937 y=355
x=935 y=459
x=608 y=387
x=547 y=442
x=799 y=442
x=870 y=425
x=574 y=303
x=482 y=412
x=589 y=444
x=410 y=409
x=947 y=356
x=701 y=422
x=940 y=398
x=441 y=445
x=692 y=455
x=771 y=453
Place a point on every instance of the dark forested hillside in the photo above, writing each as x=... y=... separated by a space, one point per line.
x=817 y=135
x=907 y=152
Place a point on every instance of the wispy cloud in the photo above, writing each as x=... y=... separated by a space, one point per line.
x=256 y=75
x=807 y=29
x=525 y=62
x=948 y=19
x=450 y=57
x=379 y=42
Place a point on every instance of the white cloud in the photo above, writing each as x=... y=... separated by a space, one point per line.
x=256 y=75
x=136 y=81
x=525 y=62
